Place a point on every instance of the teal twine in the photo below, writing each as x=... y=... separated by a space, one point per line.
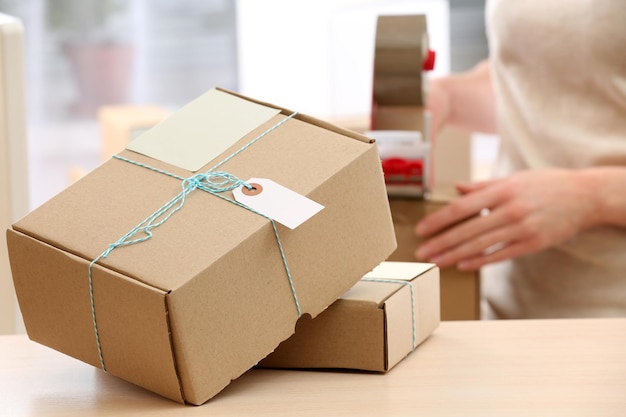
x=410 y=284
x=212 y=182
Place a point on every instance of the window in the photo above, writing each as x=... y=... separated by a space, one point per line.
x=82 y=54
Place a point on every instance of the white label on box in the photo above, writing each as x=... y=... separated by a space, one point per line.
x=277 y=202
x=202 y=130
x=404 y=271
x=407 y=144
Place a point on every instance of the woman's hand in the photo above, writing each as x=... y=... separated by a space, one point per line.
x=502 y=219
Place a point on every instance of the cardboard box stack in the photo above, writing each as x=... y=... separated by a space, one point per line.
x=399 y=94
x=148 y=269
x=372 y=327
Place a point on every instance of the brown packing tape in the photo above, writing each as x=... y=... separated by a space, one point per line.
x=391 y=90
x=398 y=118
x=400 y=48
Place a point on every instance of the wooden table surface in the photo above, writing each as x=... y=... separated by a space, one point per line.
x=495 y=368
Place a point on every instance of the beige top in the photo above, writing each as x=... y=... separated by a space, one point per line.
x=560 y=81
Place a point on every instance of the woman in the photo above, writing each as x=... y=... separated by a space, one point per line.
x=554 y=89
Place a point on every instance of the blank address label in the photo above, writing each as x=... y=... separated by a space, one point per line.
x=277 y=202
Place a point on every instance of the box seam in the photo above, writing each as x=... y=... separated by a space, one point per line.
x=385 y=339
x=172 y=346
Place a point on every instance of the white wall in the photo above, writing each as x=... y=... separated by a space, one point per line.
x=13 y=162
x=317 y=56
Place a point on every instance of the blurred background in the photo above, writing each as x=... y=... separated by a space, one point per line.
x=83 y=56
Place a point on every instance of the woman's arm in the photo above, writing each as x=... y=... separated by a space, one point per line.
x=465 y=100
x=607 y=185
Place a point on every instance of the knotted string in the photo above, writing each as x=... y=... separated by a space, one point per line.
x=212 y=182
x=410 y=284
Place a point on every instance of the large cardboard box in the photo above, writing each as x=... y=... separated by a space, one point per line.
x=372 y=327
x=204 y=296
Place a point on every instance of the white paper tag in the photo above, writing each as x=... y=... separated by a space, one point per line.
x=277 y=202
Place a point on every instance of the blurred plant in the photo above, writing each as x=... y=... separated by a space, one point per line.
x=88 y=21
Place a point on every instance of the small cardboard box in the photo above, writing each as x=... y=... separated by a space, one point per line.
x=372 y=327
x=209 y=294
